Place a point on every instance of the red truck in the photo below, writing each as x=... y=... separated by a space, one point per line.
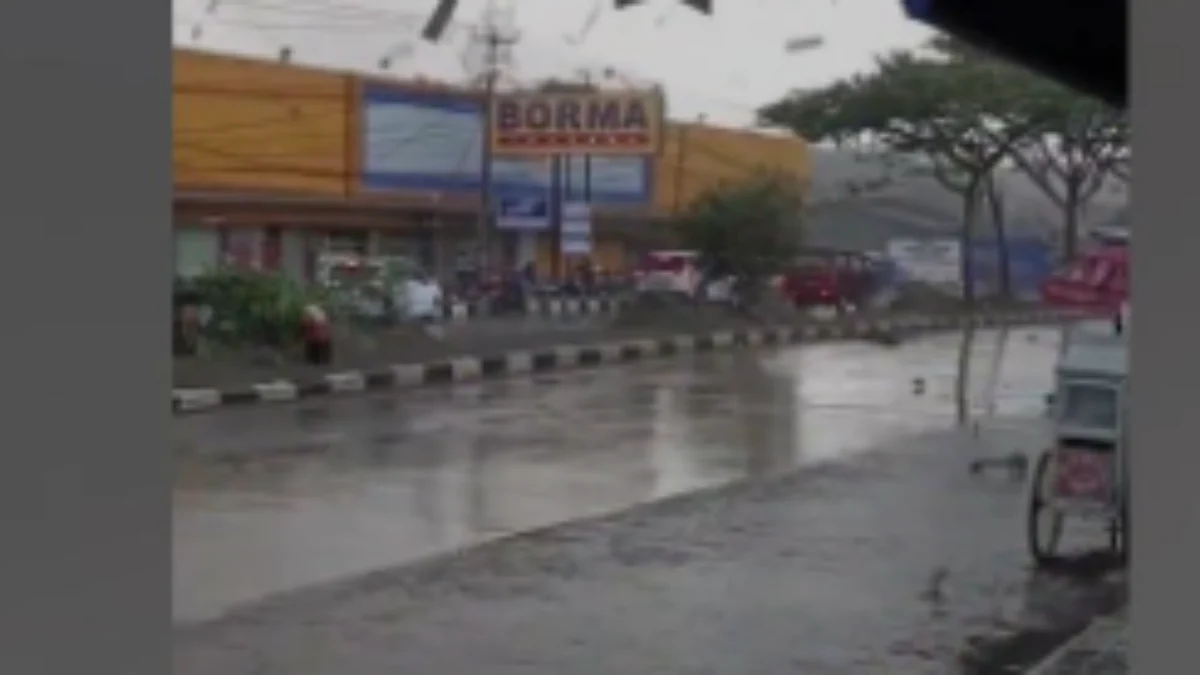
x=828 y=279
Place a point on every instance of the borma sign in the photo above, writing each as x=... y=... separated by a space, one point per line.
x=600 y=123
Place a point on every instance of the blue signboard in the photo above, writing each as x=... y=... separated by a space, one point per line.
x=523 y=213
x=433 y=141
x=576 y=228
x=1030 y=263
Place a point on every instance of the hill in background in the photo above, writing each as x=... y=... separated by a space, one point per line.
x=914 y=205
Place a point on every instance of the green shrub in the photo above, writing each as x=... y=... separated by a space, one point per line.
x=252 y=308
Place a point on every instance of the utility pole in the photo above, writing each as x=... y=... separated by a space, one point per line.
x=495 y=43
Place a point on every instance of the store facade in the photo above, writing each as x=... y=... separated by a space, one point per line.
x=275 y=164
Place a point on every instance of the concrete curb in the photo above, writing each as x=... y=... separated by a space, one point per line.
x=1099 y=649
x=565 y=357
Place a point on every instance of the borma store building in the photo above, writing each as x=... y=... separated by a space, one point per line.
x=274 y=164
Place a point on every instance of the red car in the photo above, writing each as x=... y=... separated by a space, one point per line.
x=827 y=279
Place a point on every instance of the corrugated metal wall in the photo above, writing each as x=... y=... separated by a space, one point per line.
x=696 y=158
x=250 y=125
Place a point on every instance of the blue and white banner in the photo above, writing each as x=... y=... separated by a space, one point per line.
x=433 y=142
x=525 y=214
x=938 y=261
x=576 y=228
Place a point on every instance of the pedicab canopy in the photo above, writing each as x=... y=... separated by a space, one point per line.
x=1097 y=280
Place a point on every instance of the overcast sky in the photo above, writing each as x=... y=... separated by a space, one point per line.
x=721 y=66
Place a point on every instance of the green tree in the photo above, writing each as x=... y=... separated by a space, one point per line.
x=945 y=104
x=948 y=104
x=751 y=230
x=994 y=196
x=1076 y=145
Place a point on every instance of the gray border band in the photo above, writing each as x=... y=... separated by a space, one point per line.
x=86 y=295
x=1166 y=337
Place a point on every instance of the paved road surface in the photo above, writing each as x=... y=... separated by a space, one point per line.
x=883 y=556
x=304 y=494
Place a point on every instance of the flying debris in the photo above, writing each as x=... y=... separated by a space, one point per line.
x=702 y=6
x=439 y=21
x=588 y=24
x=661 y=19
x=803 y=43
x=401 y=51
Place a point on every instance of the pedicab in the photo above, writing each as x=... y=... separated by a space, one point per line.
x=1084 y=474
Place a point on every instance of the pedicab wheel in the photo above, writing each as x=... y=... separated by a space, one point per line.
x=1119 y=544
x=1043 y=550
x=1115 y=535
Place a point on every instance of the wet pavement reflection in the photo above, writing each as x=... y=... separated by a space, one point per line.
x=277 y=498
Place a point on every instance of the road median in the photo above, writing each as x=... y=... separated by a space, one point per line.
x=586 y=350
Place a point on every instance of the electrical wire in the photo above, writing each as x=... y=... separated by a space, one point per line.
x=330 y=10
x=375 y=18
x=277 y=26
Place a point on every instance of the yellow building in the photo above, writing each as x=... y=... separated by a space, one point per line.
x=697 y=157
x=252 y=125
x=276 y=160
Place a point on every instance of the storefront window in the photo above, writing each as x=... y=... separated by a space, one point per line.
x=197 y=250
x=242 y=248
x=349 y=243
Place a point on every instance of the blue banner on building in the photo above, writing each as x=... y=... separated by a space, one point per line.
x=433 y=142
x=576 y=228
x=526 y=214
x=1030 y=263
x=938 y=260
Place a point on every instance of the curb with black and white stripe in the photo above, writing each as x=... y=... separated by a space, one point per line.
x=470 y=368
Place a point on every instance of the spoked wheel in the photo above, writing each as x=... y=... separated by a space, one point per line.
x=1118 y=533
x=1045 y=525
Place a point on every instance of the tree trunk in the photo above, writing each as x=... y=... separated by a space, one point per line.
x=967 y=241
x=963 y=376
x=962 y=383
x=1004 y=262
x=1071 y=221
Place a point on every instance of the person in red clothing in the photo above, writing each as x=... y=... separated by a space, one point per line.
x=317 y=336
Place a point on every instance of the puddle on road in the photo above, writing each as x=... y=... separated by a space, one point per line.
x=1062 y=602
x=273 y=500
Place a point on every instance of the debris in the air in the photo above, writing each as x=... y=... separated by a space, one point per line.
x=702 y=6
x=803 y=43
x=400 y=51
x=918 y=386
x=588 y=24
x=439 y=20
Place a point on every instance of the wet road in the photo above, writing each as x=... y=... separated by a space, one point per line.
x=883 y=555
x=273 y=499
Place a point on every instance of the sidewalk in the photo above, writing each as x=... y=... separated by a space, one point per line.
x=1101 y=649
x=587 y=350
